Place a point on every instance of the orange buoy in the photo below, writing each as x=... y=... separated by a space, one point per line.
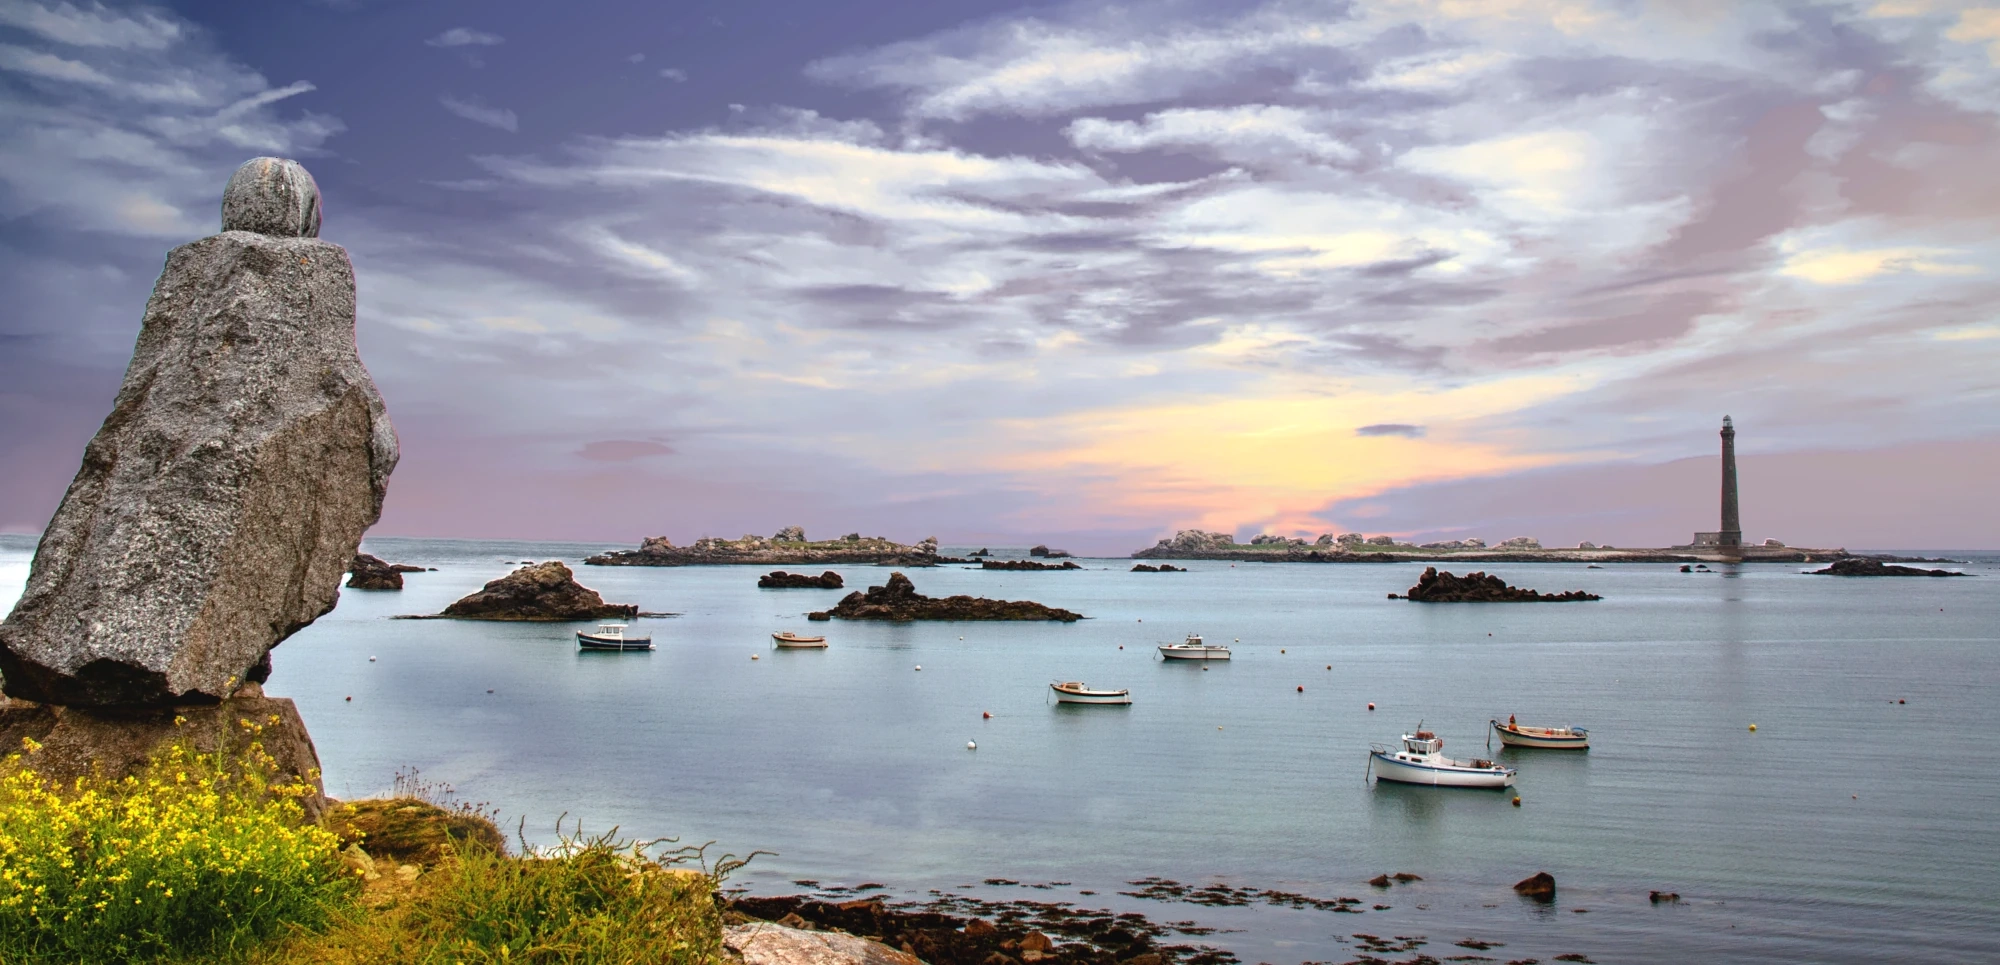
x=1302 y=688
x=350 y=698
x=1371 y=705
x=1517 y=800
x=986 y=716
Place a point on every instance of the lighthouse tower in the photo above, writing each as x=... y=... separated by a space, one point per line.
x=1730 y=537
x=1732 y=524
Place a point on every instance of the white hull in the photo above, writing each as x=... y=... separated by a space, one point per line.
x=1549 y=739
x=1388 y=768
x=785 y=642
x=1177 y=652
x=1092 y=697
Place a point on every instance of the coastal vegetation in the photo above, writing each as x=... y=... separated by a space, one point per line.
x=210 y=857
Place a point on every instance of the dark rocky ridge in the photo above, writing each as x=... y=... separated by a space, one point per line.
x=1027 y=565
x=541 y=592
x=899 y=601
x=1162 y=568
x=1476 y=587
x=781 y=580
x=788 y=546
x=1863 y=567
x=372 y=573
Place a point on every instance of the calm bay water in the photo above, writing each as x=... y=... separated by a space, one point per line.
x=1848 y=827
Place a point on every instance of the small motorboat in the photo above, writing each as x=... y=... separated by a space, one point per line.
x=612 y=636
x=1421 y=761
x=787 y=640
x=1078 y=692
x=1563 y=738
x=1194 y=649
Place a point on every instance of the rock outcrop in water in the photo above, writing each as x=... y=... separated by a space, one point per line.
x=222 y=499
x=1476 y=587
x=1027 y=565
x=1861 y=567
x=789 y=546
x=1541 y=886
x=781 y=580
x=1162 y=568
x=539 y=592
x=372 y=573
x=899 y=601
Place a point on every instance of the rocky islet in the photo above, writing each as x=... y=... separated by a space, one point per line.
x=1478 y=587
x=781 y=580
x=787 y=546
x=898 y=601
x=539 y=592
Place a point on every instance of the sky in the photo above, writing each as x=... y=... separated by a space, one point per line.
x=1083 y=274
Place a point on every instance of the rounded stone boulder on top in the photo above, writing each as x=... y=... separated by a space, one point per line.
x=220 y=503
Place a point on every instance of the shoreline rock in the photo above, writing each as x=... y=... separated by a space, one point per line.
x=1477 y=587
x=1044 y=551
x=372 y=573
x=1027 y=565
x=789 y=546
x=1866 y=567
x=1541 y=886
x=899 y=601
x=781 y=580
x=543 y=592
x=1162 y=568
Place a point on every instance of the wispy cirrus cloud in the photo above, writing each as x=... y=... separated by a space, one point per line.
x=478 y=112
x=466 y=37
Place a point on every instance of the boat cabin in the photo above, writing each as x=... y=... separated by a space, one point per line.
x=1423 y=742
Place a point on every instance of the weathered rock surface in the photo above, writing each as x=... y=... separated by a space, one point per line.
x=540 y=592
x=899 y=600
x=756 y=550
x=1861 y=567
x=120 y=741
x=1476 y=587
x=781 y=580
x=766 y=943
x=372 y=573
x=221 y=501
x=1540 y=886
x=982 y=551
x=1162 y=568
x=1027 y=565
x=1046 y=552
x=1024 y=932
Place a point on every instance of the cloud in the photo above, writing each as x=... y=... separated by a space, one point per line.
x=479 y=113
x=1391 y=429
x=92 y=25
x=623 y=450
x=465 y=37
x=1238 y=133
x=1837 y=266
x=674 y=74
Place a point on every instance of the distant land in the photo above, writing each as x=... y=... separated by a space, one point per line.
x=788 y=546
x=1194 y=544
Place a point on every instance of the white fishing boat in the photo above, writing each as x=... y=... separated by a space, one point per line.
x=612 y=636
x=1078 y=692
x=1194 y=649
x=1555 y=738
x=1421 y=761
x=787 y=640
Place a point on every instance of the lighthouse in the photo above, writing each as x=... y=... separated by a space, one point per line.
x=1732 y=524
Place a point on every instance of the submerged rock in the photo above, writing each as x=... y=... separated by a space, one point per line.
x=1540 y=886
x=1861 y=567
x=899 y=600
x=372 y=573
x=781 y=580
x=1476 y=587
x=220 y=503
x=543 y=591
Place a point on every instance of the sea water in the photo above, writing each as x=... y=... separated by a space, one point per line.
x=1855 y=823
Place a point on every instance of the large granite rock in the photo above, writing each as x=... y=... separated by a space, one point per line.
x=119 y=741
x=767 y=943
x=1861 y=567
x=222 y=499
x=1435 y=587
x=538 y=592
x=373 y=573
x=898 y=600
x=1028 y=565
